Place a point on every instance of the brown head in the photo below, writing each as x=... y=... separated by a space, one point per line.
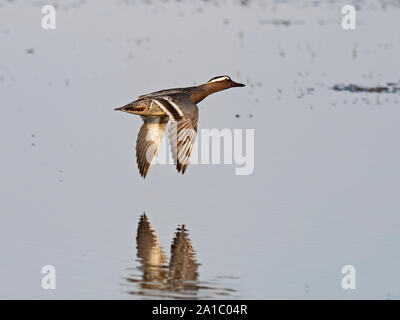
x=223 y=82
x=214 y=85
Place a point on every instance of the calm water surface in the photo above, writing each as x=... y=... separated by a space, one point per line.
x=325 y=188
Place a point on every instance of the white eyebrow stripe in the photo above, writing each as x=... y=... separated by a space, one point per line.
x=219 y=79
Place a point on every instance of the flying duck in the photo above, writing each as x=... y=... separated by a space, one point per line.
x=179 y=106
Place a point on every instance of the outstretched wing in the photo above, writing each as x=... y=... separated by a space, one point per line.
x=182 y=132
x=148 y=141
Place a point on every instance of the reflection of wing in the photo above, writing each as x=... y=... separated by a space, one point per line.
x=182 y=131
x=150 y=252
x=148 y=141
x=182 y=265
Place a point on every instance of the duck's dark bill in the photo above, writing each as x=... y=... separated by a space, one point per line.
x=235 y=84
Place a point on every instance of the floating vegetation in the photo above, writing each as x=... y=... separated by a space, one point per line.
x=389 y=88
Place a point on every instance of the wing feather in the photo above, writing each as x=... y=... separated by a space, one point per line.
x=182 y=133
x=148 y=142
x=182 y=130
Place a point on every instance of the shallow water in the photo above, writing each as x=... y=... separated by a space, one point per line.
x=325 y=187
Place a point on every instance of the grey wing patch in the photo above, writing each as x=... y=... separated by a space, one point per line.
x=182 y=131
x=148 y=141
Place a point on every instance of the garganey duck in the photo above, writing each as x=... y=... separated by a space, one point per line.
x=179 y=106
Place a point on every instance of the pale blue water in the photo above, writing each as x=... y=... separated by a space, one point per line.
x=325 y=188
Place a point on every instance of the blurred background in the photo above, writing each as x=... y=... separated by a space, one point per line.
x=324 y=104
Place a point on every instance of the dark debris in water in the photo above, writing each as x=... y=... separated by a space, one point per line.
x=389 y=88
x=250 y=115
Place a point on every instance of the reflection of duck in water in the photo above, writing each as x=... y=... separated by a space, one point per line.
x=179 y=278
x=182 y=265
x=181 y=273
x=151 y=255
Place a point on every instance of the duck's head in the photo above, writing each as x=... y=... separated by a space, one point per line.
x=224 y=82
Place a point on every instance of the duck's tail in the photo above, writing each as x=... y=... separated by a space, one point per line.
x=135 y=107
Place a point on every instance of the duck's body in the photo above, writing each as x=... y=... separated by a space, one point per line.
x=179 y=106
